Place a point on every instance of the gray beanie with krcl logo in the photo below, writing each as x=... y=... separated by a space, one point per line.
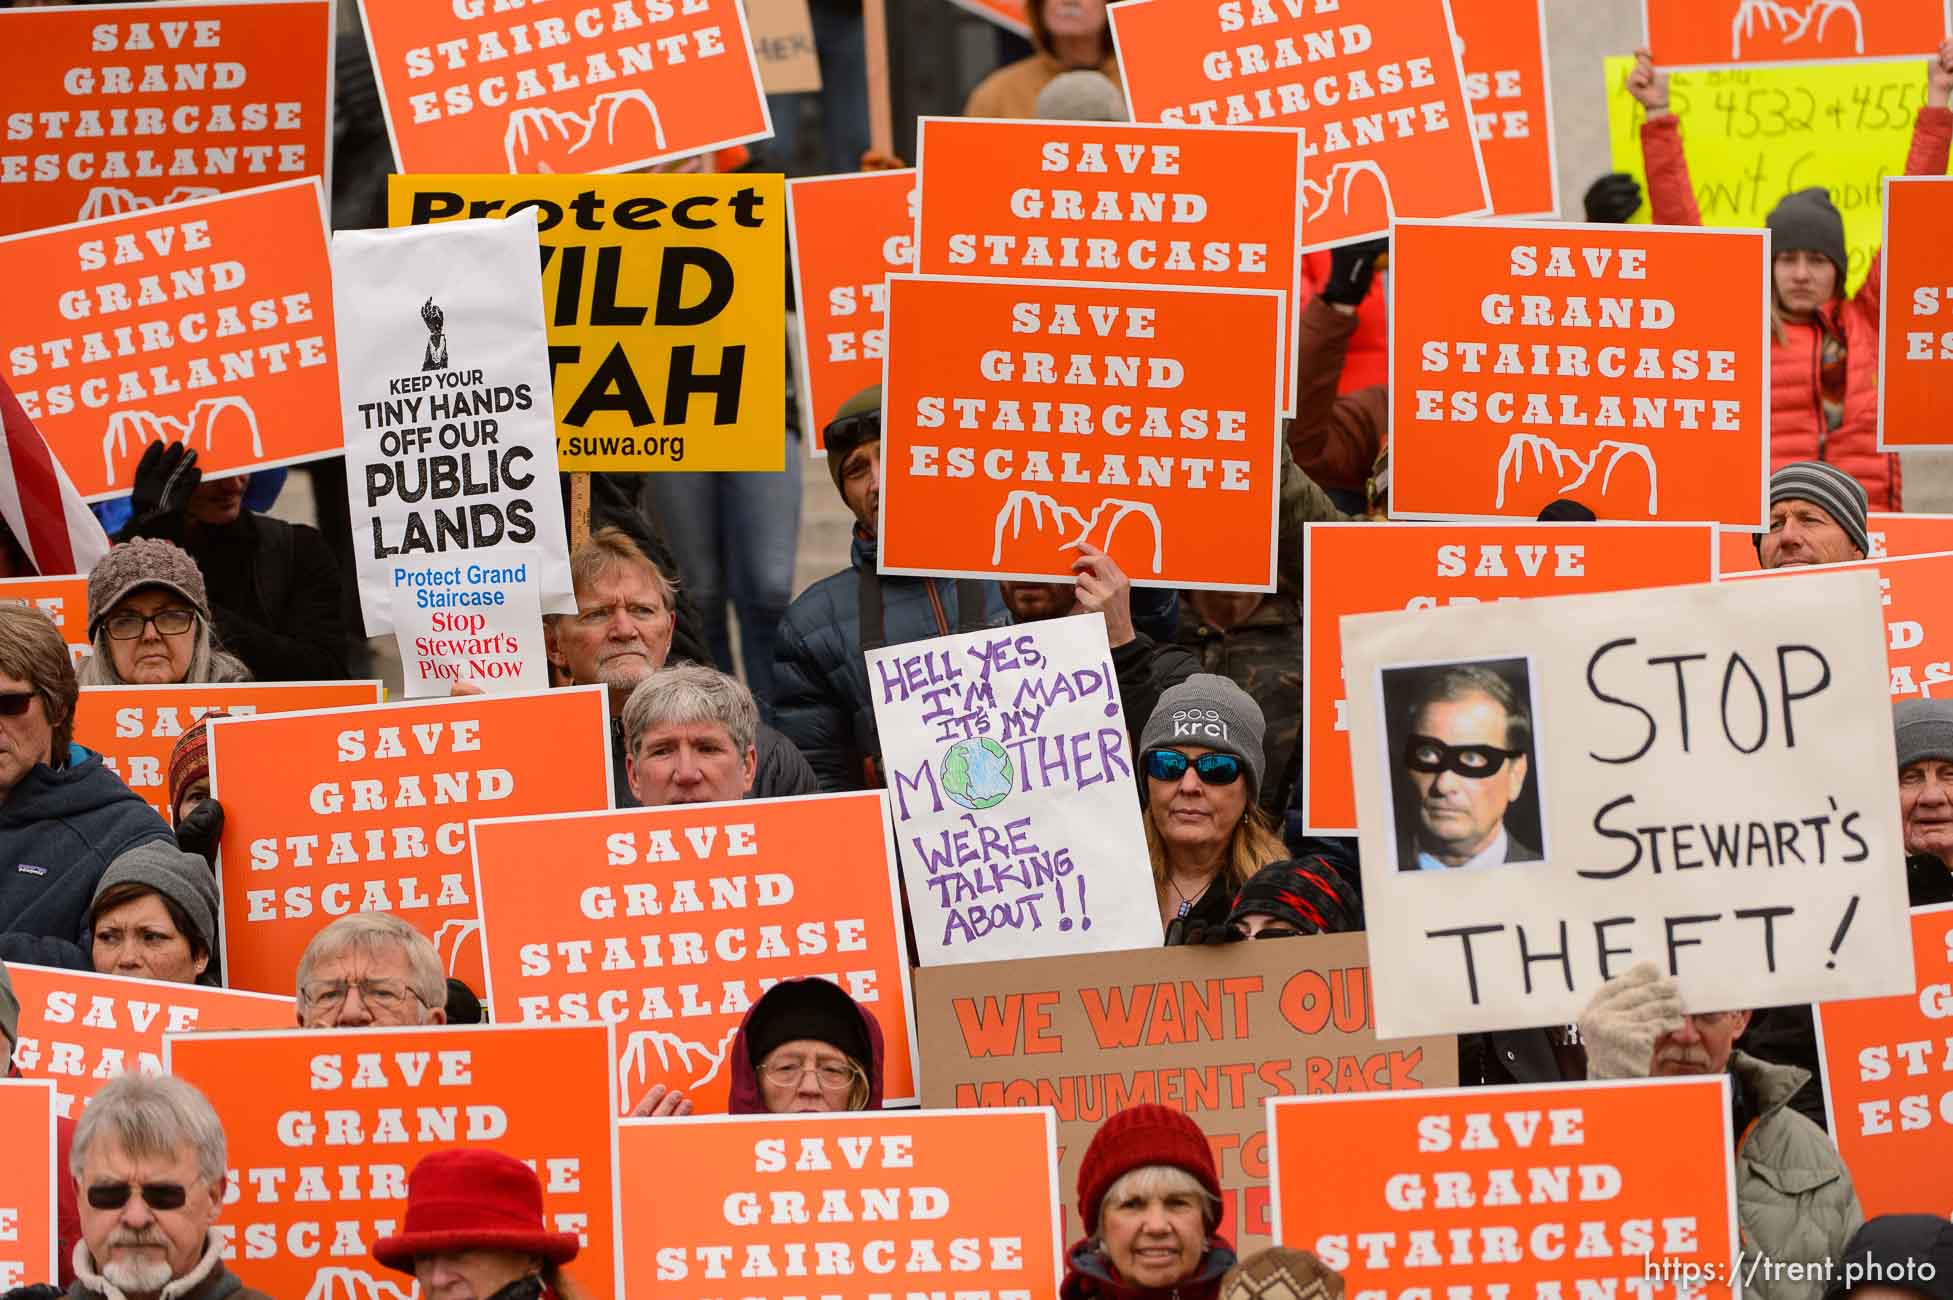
x=1209 y=711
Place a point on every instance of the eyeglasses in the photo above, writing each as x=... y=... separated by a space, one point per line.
x=169 y=622
x=786 y=1074
x=1474 y=762
x=381 y=995
x=157 y=1196
x=1712 y=1017
x=15 y=703
x=1212 y=769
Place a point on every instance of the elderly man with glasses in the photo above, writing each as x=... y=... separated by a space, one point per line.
x=367 y=969
x=149 y=1171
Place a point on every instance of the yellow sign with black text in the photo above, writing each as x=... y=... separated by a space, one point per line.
x=666 y=302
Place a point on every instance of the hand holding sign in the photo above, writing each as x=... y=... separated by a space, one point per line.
x=1103 y=588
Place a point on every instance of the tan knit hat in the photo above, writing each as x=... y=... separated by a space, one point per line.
x=143 y=562
x=1282 y=1274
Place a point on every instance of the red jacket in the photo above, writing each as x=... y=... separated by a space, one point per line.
x=1797 y=428
x=1367 y=362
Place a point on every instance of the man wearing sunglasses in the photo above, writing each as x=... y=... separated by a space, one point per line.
x=148 y=1164
x=1464 y=761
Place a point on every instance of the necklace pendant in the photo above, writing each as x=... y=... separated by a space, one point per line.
x=1185 y=907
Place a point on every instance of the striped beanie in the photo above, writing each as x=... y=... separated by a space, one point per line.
x=1830 y=489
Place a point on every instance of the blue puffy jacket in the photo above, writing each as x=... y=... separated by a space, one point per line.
x=60 y=827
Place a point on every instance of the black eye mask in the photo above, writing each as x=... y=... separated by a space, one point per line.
x=1473 y=762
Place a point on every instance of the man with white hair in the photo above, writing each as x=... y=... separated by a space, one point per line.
x=149 y=1171
x=691 y=734
x=370 y=969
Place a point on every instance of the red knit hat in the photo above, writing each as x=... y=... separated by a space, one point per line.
x=473 y=1199
x=1137 y=1137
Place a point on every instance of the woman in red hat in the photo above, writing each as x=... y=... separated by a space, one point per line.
x=474 y=1231
x=1150 y=1197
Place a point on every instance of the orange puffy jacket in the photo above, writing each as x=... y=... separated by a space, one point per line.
x=1797 y=428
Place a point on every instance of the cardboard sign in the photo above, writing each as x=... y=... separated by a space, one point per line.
x=63 y=600
x=1115 y=201
x=1508 y=78
x=783 y=44
x=1551 y=791
x=1010 y=775
x=450 y=456
x=28 y=1243
x=78 y=1029
x=1374 y=87
x=473 y=86
x=1211 y=1030
x=1890 y=533
x=313 y=1115
x=1915 y=376
x=796 y=893
x=1550 y=1186
x=1918 y=626
x=496 y=642
x=1887 y=1078
x=665 y=300
x=113 y=113
x=207 y=322
x=1360 y=569
x=134 y=728
x=1019 y=417
x=1007 y=14
x=1735 y=33
x=333 y=811
x=1627 y=368
x=948 y=1202
x=848 y=233
x=1755 y=134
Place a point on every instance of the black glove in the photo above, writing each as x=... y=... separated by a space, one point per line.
x=1351 y=268
x=200 y=830
x=165 y=477
x=1613 y=198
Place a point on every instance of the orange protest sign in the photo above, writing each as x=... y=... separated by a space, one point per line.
x=134 y=728
x=1021 y=416
x=1890 y=533
x=729 y=897
x=1007 y=14
x=1888 y=1093
x=116 y=112
x=1115 y=201
x=63 y=600
x=207 y=322
x=1918 y=625
x=1374 y=87
x=27 y=1219
x=1626 y=367
x=948 y=1202
x=323 y=1126
x=1915 y=365
x=78 y=1029
x=482 y=86
x=333 y=811
x=1544 y=1186
x=1510 y=85
x=847 y=233
x=1361 y=569
x=1733 y=33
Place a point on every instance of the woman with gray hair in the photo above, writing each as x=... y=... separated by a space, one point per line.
x=149 y=620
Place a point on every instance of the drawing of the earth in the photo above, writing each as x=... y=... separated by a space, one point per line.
x=976 y=773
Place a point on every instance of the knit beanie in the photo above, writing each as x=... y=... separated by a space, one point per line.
x=1081 y=95
x=183 y=878
x=1133 y=1139
x=1909 y=1253
x=1923 y=729
x=190 y=758
x=1806 y=221
x=1565 y=510
x=807 y=1008
x=1307 y=893
x=1279 y=1273
x=844 y=433
x=143 y=562
x=1830 y=489
x=1209 y=710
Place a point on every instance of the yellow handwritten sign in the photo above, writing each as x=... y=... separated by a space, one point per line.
x=1755 y=134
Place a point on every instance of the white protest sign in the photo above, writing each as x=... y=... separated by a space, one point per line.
x=466 y=620
x=1010 y=776
x=450 y=426
x=1550 y=791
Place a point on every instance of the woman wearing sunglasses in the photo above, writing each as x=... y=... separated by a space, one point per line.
x=149 y=621
x=1202 y=760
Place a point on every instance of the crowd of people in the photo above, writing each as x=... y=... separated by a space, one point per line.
x=200 y=587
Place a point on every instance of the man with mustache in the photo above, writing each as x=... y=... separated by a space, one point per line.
x=1464 y=760
x=1794 y=1197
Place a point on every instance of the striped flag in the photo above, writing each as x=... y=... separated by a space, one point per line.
x=39 y=503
